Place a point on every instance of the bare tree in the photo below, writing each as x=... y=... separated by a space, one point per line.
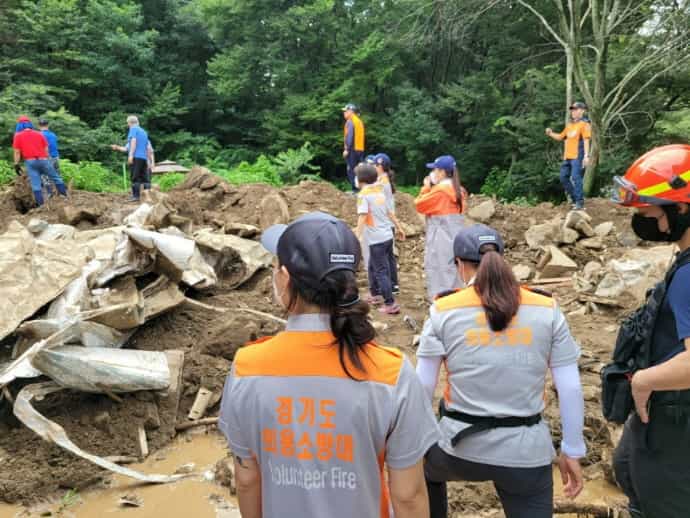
x=663 y=31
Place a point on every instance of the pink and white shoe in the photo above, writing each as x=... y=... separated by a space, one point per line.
x=390 y=309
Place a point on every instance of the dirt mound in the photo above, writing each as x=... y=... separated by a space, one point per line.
x=34 y=468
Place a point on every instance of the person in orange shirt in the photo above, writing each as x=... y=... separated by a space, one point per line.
x=353 y=141
x=575 y=153
x=442 y=201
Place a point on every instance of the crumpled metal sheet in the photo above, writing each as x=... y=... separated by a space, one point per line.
x=245 y=255
x=33 y=273
x=178 y=257
x=54 y=433
x=103 y=369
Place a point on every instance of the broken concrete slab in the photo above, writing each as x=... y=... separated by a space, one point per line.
x=579 y=220
x=483 y=212
x=592 y=269
x=558 y=264
x=241 y=229
x=121 y=305
x=568 y=236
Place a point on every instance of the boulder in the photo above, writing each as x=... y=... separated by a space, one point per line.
x=593 y=243
x=71 y=215
x=634 y=273
x=568 y=236
x=544 y=234
x=522 y=272
x=604 y=229
x=591 y=270
x=628 y=238
x=557 y=264
x=483 y=212
x=273 y=209
x=579 y=220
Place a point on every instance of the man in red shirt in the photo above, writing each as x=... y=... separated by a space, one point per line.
x=32 y=147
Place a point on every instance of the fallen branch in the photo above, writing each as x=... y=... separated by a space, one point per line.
x=201 y=305
x=552 y=280
x=200 y=422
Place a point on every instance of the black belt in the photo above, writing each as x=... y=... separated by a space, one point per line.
x=482 y=423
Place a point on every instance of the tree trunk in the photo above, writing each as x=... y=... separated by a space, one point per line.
x=594 y=156
x=568 y=82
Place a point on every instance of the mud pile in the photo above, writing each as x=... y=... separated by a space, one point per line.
x=33 y=468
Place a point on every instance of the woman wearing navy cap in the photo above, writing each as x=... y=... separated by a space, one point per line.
x=442 y=201
x=313 y=414
x=497 y=342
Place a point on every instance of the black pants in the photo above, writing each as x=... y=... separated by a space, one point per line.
x=352 y=160
x=652 y=463
x=379 y=269
x=139 y=175
x=524 y=492
x=393 y=264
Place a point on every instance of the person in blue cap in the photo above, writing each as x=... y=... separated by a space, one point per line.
x=137 y=150
x=387 y=180
x=442 y=201
x=52 y=139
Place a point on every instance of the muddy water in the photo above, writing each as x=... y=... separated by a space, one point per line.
x=597 y=492
x=197 y=496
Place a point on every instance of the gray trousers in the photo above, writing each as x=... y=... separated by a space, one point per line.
x=524 y=492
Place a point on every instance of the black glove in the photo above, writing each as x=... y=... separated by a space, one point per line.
x=18 y=169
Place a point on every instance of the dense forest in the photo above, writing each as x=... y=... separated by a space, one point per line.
x=218 y=82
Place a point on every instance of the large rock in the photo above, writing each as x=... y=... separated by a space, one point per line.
x=593 y=243
x=274 y=209
x=483 y=212
x=628 y=238
x=629 y=277
x=604 y=229
x=557 y=264
x=568 y=236
x=591 y=270
x=71 y=215
x=522 y=272
x=579 y=220
x=544 y=234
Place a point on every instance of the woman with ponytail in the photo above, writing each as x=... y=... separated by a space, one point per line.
x=498 y=341
x=442 y=201
x=313 y=413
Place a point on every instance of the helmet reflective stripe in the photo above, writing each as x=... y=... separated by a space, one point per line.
x=663 y=186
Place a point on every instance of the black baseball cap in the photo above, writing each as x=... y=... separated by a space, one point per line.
x=313 y=246
x=43 y=122
x=469 y=240
x=578 y=105
x=351 y=106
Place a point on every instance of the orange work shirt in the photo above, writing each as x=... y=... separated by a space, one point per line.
x=438 y=200
x=573 y=134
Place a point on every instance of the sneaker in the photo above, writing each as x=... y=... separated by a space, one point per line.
x=132 y=199
x=375 y=300
x=579 y=206
x=396 y=290
x=390 y=309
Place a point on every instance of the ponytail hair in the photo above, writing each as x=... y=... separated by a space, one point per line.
x=338 y=295
x=460 y=192
x=391 y=176
x=497 y=287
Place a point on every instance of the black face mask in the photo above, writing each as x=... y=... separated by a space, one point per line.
x=648 y=228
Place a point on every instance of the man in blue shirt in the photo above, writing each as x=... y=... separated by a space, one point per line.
x=651 y=462
x=52 y=139
x=137 y=156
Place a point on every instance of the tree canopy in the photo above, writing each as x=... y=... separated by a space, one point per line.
x=222 y=81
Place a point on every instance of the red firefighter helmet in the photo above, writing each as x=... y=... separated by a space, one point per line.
x=659 y=177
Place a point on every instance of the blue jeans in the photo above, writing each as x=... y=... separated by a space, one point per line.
x=571 y=178
x=379 y=270
x=35 y=169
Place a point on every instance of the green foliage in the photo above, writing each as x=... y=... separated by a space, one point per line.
x=214 y=83
x=295 y=165
x=6 y=172
x=91 y=176
x=261 y=171
x=169 y=180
